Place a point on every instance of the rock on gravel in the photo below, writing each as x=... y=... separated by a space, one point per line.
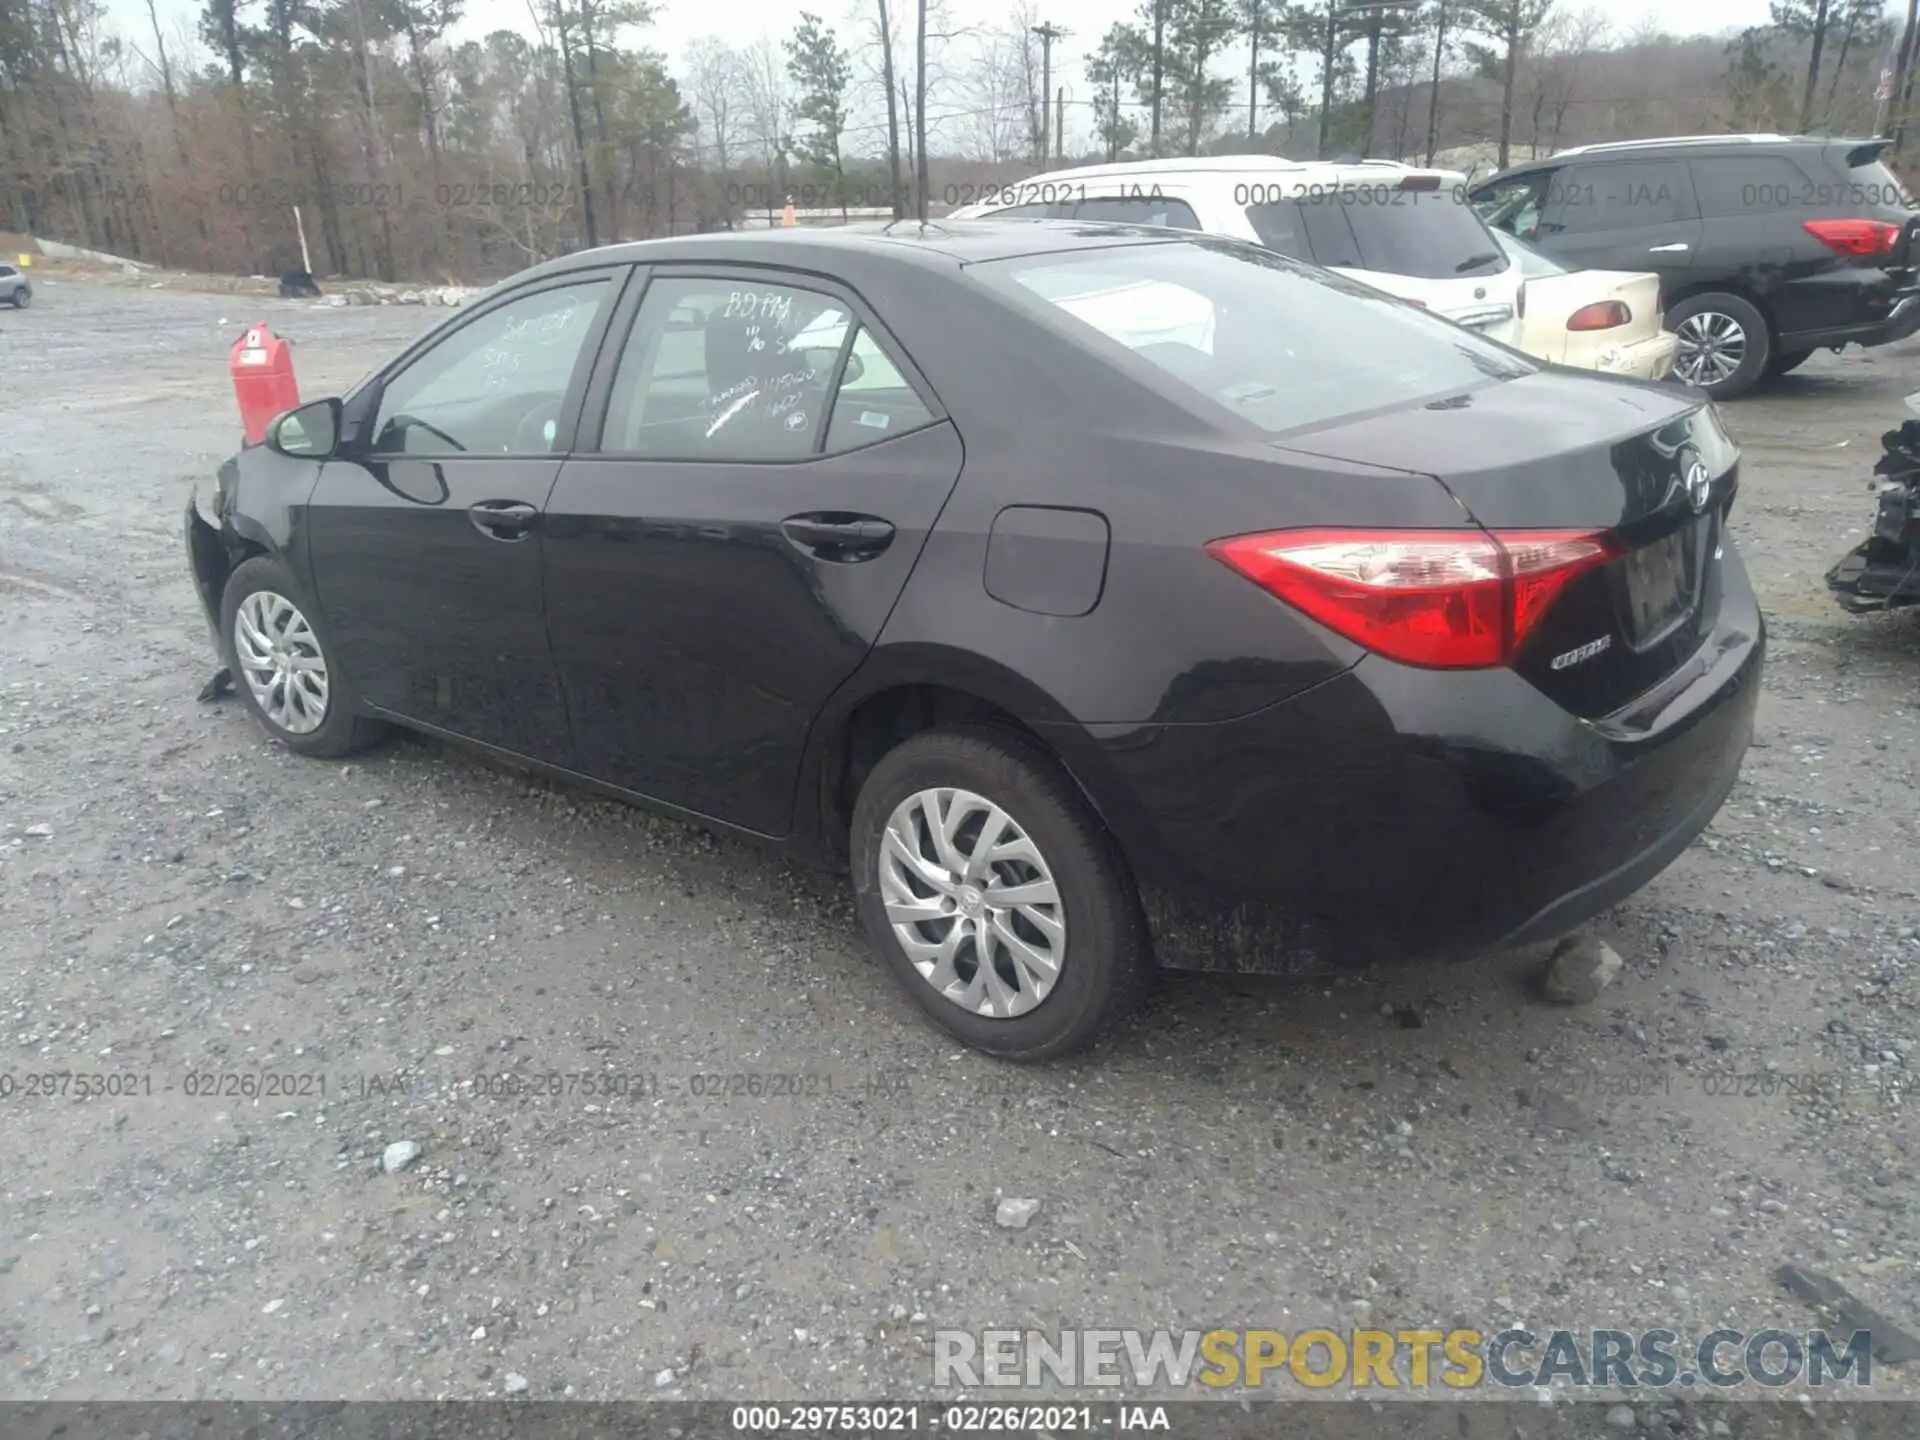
x=515 y=1384
x=398 y=1156
x=1621 y=1417
x=1580 y=967
x=1013 y=1214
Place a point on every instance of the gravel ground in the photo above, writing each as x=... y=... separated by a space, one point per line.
x=179 y=899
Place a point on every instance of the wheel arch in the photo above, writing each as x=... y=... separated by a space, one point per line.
x=900 y=695
x=1737 y=288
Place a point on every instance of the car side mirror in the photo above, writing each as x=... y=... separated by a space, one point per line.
x=310 y=433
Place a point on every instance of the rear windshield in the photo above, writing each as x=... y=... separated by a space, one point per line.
x=1534 y=264
x=1279 y=344
x=1873 y=184
x=1429 y=234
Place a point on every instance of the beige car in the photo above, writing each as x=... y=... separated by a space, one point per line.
x=1605 y=320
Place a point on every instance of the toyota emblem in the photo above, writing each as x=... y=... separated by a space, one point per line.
x=1699 y=486
x=1479 y=292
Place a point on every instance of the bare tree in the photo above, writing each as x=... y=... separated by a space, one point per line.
x=769 y=111
x=1007 y=112
x=717 y=81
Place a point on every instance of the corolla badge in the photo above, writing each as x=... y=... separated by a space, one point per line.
x=1699 y=486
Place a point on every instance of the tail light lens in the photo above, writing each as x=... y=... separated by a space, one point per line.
x=1601 y=315
x=1443 y=599
x=1856 y=237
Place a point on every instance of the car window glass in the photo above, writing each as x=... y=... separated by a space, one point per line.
x=1430 y=234
x=1139 y=210
x=1747 y=184
x=6 y=272
x=497 y=384
x=1586 y=199
x=1035 y=211
x=1281 y=226
x=1513 y=205
x=1533 y=264
x=1276 y=343
x=725 y=370
x=874 y=399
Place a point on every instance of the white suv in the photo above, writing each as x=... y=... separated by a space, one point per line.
x=1406 y=231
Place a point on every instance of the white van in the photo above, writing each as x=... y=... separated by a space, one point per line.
x=1409 y=232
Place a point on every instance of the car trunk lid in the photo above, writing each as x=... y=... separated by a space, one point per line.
x=1650 y=469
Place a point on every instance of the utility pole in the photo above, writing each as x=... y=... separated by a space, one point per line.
x=1048 y=33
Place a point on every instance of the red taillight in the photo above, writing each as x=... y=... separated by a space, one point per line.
x=1601 y=315
x=1444 y=599
x=1856 y=237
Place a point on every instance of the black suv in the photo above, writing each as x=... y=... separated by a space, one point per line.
x=1768 y=247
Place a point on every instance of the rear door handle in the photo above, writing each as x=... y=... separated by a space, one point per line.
x=834 y=535
x=503 y=519
x=1668 y=249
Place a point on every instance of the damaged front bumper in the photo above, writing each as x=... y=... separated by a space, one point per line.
x=1877 y=575
x=1883 y=573
x=211 y=559
x=207 y=557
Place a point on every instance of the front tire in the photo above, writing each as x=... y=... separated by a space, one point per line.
x=996 y=895
x=21 y=297
x=281 y=667
x=1725 y=345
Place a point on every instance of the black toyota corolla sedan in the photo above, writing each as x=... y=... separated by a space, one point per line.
x=1103 y=598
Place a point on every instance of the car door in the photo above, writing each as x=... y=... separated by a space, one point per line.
x=768 y=469
x=425 y=537
x=1638 y=215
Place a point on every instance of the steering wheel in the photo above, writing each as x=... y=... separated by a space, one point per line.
x=403 y=422
x=531 y=432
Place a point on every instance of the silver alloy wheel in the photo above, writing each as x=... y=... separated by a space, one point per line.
x=972 y=902
x=280 y=657
x=1713 y=345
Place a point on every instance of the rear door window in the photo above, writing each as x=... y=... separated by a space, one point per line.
x=1747 y=185
x=1616 y=195
x=1427 y=234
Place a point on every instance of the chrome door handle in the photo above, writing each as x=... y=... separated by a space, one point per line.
x=1668 y=249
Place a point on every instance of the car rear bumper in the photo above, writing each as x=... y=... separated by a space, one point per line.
x=1393 y=813
x=1901 y=320
x=1648 y=359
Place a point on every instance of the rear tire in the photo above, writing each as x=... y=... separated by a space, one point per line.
x=1790 y=360
x=281 y=669
x=1050 y=844
x=1725 y=344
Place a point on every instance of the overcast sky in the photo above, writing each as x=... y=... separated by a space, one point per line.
x=743 y=21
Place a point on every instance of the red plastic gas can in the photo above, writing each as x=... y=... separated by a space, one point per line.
x=262 y=367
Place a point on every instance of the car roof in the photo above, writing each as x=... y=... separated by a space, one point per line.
x=937 y=244
x=1692 y=144
x=1223 y=165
